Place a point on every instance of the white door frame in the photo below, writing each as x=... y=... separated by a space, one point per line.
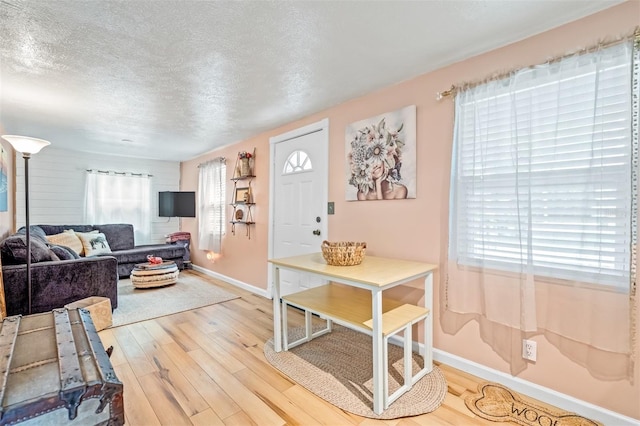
x=319 y=126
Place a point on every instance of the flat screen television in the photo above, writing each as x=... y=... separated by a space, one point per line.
x=177 y=204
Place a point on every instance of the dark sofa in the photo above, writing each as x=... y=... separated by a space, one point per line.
x=59 y=276
x=56 y=283
x=120 y=238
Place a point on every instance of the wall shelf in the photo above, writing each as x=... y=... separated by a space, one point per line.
x=242 y=203
x=237 y=178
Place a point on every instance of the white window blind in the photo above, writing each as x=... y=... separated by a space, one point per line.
x=211 y=204
x=541 y=171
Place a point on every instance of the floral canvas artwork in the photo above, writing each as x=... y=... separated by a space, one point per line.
x=381 y=156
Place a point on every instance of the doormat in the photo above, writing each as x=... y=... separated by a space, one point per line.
x=500 y=404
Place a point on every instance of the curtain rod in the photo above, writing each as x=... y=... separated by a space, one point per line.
x=453 y=90
x=118 y=173
x=222 y=159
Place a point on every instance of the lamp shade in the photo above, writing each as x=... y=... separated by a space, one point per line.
x=26 y=144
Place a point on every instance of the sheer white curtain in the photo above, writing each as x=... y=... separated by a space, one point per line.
x=542 y=219
x=211 y=204
x=120 y=198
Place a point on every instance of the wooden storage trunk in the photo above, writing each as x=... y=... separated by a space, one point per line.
x=55 y=371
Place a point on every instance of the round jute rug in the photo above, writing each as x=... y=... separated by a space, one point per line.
x=338 y=367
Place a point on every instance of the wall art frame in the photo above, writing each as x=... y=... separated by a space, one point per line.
x=380 y=156
x=242 y=195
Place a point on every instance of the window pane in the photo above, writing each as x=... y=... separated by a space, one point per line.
x=297 y=162
x=541 y=174
x=120 y=198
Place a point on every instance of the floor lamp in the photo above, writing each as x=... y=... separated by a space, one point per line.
x=27 y=146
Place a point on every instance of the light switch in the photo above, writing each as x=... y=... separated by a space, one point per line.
x=330 y=208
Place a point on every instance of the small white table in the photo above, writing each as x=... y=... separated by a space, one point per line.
x=374 y=274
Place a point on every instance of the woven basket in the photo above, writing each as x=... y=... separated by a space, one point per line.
x=343 y=253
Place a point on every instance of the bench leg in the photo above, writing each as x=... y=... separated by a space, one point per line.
x=407 y=380
x=385 y=373
x=308 y=331
x=308 y=328
x=428 y=359
x=285 y=327
x=408 y=359
x=327 y=329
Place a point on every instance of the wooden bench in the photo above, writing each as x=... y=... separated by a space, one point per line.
x=351 y=307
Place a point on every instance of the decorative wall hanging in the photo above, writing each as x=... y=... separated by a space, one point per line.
x=242 y=195
x=381 y=156
x=4 y=179
x=244 y=164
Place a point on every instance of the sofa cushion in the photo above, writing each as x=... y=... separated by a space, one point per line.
x=68 y=239
x=57 y=229
x=14 y=250
x=119 y=235
x=140 y=253
x=94 y=243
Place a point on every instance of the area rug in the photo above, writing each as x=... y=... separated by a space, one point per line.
x=499 y=404
x=190 y=292
x=338 y=367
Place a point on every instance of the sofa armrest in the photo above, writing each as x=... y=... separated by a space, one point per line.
x=54 y=284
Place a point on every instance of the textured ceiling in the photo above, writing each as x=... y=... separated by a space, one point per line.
x=174 y=79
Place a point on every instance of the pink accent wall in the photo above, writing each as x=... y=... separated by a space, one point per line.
x=414 y=229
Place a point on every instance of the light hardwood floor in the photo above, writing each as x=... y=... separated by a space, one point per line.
x=207 y=367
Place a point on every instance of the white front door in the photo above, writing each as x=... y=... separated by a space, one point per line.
x=299 y=176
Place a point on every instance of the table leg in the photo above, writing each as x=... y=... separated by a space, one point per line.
x=428 y=322
x=378 y=358
x=277 y=322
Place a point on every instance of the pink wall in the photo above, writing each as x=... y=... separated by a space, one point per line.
x=414 y=229
x=243 y=258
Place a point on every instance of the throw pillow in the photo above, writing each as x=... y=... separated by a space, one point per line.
x=94 y=243
x=64 y=253
x=14 y=251
x=35 y=232
x=67 y=239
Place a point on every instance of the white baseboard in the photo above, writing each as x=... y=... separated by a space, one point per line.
x=259 y=291
x=533 y=390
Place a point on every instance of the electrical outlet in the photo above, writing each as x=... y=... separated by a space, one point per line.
x=529 y=350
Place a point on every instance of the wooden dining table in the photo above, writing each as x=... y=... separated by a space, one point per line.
x=374 y=274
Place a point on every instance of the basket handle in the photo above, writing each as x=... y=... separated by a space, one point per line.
x=325 y=243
